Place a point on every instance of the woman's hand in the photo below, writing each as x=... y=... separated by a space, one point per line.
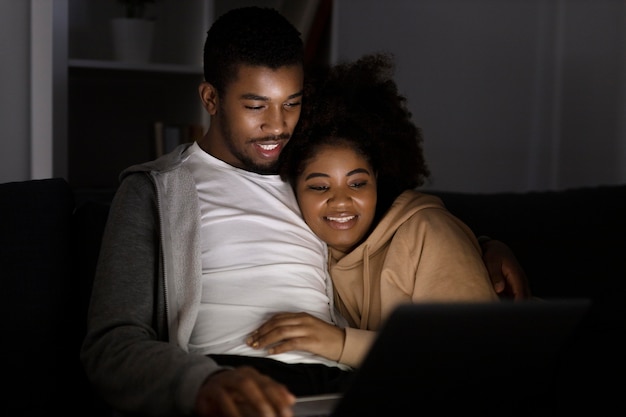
x=285 y=332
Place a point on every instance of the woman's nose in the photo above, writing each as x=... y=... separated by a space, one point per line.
x=339 y=198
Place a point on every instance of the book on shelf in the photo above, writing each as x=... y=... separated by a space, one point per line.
x=168 y=136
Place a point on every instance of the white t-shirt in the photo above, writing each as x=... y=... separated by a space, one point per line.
x=258 y=258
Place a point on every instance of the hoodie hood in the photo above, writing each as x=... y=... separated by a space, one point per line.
x=404 y=207
x=168 y=162
x=356 y=274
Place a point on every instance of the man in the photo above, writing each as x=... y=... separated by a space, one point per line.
x=206 y=242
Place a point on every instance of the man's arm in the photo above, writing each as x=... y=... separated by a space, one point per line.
x=507 y=275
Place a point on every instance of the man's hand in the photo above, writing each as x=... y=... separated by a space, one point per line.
x=243 y=392
x=507 y=276
x=284 y=332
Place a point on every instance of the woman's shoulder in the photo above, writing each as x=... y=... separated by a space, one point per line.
x=417 y=200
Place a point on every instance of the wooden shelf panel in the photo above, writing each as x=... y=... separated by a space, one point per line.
x=135 y=66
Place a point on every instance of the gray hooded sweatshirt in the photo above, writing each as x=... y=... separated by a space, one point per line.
x=146 y=293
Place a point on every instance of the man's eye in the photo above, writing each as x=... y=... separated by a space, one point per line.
x=254 y=107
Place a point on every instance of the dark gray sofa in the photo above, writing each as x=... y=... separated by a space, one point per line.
x=571 y=243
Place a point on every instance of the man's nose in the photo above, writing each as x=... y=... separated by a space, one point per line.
x=274 y=122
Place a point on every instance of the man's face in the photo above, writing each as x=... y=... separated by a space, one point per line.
x=256 y=117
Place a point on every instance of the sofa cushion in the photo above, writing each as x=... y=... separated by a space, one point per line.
x=88 y=222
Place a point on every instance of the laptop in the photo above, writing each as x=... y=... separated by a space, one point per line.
x=499 y=359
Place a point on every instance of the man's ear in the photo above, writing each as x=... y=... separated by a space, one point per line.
x=209 y=97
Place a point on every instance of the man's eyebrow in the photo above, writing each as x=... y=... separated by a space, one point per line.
x=252 y=96
x=256 y=97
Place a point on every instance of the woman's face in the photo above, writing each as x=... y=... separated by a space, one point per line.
x=337 y=196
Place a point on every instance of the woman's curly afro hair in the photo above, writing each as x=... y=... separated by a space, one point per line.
x=357 y=104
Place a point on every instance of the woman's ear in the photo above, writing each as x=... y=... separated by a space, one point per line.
x=209 y=97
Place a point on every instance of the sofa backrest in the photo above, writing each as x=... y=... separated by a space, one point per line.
x=570 y=243
x=49 y=244
x=37 y=297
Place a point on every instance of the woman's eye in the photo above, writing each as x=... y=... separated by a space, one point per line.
x=318 y=187
x=358 y=184
x=292 y=105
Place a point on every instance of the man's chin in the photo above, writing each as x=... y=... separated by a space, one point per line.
x=265 y=169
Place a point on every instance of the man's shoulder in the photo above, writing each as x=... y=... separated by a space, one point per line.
x=167 y=163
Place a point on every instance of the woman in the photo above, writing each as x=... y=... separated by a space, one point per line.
x=354 y=163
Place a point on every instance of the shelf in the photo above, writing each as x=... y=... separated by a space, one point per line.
x=135 y=66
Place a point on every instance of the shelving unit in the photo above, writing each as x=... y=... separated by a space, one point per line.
x=104 y=111
x=133 y=66
x=112 y=106
x=112 y=113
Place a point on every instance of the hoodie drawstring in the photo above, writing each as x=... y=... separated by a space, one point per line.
x=366 y=288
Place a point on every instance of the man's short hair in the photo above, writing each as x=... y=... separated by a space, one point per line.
x=256 y=36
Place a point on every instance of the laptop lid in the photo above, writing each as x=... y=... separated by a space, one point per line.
x=473 y=358
x=320 y=405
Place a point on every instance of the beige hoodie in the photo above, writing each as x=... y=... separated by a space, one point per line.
x=419 y=252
